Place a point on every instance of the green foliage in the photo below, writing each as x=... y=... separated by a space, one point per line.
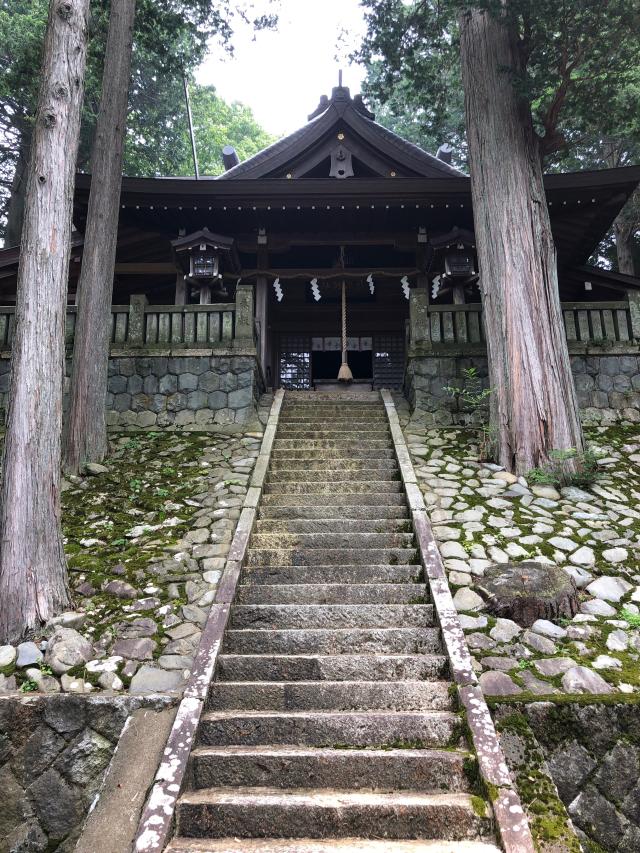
x=567 y=468
x=471 y=393
x=171 y=38
x=578 y=75
x=632 y=619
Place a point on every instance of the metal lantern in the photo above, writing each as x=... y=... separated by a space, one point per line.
x=458 y=262
x=204 y=262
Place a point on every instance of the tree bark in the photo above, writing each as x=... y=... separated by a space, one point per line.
x=33 y=575
x=86 y=430
x=624 y=235
x=533 y=404
x=15 y=209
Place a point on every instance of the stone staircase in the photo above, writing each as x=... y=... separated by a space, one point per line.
x=331 y=723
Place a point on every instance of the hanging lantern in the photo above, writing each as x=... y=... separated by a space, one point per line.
x=458 y=263
x=205 y=262
x=203 y=257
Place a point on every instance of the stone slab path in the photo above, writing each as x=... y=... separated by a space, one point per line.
x=331 y=723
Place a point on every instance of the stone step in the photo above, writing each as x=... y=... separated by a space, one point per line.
x=324 y=511
x=345 y=445
x=334 y=419
x=349 y=541
x=334 y=487
x=330 y=696
x=317 y=845
x=334 y=641
x=280 y=616
x=251 y=812
x=286 y=465
x=353 y=454
x=367 y=593
x=345 y=667
x=300 y=767
x=339 y=573
x=263 y=557
x=420 y=729
x=330 y=525
x=360 y=499
x=334 y=474
x=359 y=433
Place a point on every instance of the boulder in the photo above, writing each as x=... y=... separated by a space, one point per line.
x=525 y=592
x=66 y=649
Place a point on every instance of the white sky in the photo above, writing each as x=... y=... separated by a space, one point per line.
x=282 y=73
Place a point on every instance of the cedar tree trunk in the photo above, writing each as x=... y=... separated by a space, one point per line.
x=533 y=405
x=15 y=209
x=33 y=574
x=624 y=234
x=86 y=429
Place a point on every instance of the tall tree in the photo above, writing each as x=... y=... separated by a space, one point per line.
x=533 y=405
x=171 y=37
x=33 y=576
x=85 y=429
x=528 y=68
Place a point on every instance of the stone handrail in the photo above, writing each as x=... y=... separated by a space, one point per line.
x=143 y=326
x=460 y=327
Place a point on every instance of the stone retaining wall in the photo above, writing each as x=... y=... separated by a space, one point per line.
x=592 y=753
x=608 y=386
x=175 y=390
x=54 y=752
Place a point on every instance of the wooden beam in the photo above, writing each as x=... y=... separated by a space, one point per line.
x=146 y=268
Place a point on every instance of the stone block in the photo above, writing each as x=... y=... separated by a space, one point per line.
x=187 y=381
x=598 y=818
x=117 y=384
x=241 y=398
x=196 y=364
x=134 y=384
x=628 y=364
x=583 y=382
x=217 y=400
x=144 y=366
x=157 y=403
x=176 y=402
x=204 y=416
x=618 y=772
x=245 y=379
x=569 y=766
x=58 y=806
x=159 y=365
x=209 y=381
x=140 y=402
x=184 y=417
x=168 y=384
x=147 y=419
x=621 y=382
x=85 y=759
x=228 y=382
x=197 y=400
x=177 y=365
x=604 y=382
x=151 y=384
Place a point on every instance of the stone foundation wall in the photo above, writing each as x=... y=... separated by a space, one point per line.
x=187 y=391
x=592 y=753
x=608 y=386
x=54 y=752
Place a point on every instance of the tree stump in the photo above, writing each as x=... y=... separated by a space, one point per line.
x=528 y=591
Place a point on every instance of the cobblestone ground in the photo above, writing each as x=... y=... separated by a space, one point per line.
x=483 y=515
x=146 y=536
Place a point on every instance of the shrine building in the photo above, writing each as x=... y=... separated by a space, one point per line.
x=228 y=286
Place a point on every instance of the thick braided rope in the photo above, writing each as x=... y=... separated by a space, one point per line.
x=344 y=322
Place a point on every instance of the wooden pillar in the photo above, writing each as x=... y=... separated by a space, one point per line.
x=181 y=290
x=458 y=294
x=634 y=310
x=262 y=305
x=205 y=294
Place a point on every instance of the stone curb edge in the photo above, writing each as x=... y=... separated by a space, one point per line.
x=511 y=821
x=155 y=825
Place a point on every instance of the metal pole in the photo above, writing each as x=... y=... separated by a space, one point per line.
x=191 y=133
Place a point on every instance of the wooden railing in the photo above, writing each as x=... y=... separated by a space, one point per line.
x=140 y=325
x=587 y=323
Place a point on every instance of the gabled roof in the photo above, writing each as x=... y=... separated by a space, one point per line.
x=379 y=151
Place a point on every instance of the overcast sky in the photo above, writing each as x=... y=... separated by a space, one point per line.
x=281 y=74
